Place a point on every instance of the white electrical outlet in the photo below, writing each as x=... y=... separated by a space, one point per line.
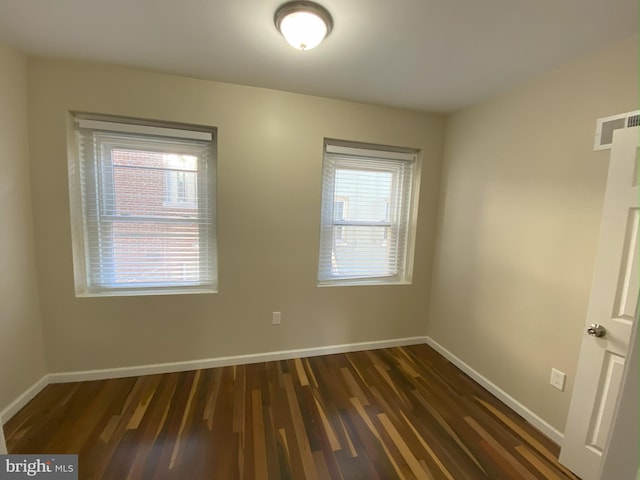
x=558 y=379
x=275 y=318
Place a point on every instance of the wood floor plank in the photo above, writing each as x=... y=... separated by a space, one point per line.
x=395 y=413
x=374 y=431
x=448 y=430
x=302 y=375
x=259 y=441
x=404 y=449
x=522 y=472
x=331 y=434
x=185 y=418
x=539 y=464
x=302 y=441
x=430 y=451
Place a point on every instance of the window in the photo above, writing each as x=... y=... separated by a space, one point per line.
x=182 y=180
x=366 y=212
x=142 y=205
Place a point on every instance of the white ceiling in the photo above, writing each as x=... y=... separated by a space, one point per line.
x=436 y=55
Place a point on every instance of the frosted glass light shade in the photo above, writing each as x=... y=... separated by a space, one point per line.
x=303 y=24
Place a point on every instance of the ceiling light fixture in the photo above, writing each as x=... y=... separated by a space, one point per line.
x=303 y=24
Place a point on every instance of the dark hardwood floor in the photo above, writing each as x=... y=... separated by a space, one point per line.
x=397 y=413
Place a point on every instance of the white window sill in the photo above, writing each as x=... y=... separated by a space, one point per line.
x=361 y=283
x=147 y=292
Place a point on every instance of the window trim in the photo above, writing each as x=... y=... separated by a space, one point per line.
x=80 y=248
x=352 y=151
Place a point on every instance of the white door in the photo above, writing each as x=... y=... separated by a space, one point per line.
x=613 y=306
x=620 y=459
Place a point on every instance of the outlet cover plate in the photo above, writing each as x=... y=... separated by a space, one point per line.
x=558 y=379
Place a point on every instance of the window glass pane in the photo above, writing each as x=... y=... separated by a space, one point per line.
x=181 y=180
x=339 y=208
x=143 y=185
x=148 y=253
x=367 y=193
x=362 y=252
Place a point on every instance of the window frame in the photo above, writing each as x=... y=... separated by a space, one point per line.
x=403 y=164
x=80 y=209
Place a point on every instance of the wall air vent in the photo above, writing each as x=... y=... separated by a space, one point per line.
x=606 y=126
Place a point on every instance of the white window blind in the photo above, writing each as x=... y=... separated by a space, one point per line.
x=365 y=217
x=146 y=205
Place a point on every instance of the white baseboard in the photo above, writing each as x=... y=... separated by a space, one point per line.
x=23 y=399
x=88 y=375
x=83 y=376
x=507 y=399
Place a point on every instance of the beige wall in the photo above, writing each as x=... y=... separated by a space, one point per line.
x=520 y=206
x=520 y=209
x=22 y=361
x=269 y=165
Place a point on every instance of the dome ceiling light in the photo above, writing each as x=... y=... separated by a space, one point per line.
x=303 y=24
